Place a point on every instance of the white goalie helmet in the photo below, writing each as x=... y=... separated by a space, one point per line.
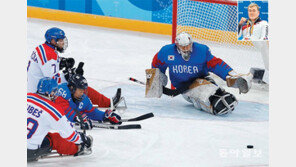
x=184 y=45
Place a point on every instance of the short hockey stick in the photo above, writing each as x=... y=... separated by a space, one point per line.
x=139 y=118
x=80 y=120
x=137 y=81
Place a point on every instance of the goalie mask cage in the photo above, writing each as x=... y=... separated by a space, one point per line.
x=208 y=21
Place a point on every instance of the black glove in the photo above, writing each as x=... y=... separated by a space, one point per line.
x=86 y=122
x=68 y=73
x=86 y=140
x=111 y=117
x=66 y=63
x=79 y=69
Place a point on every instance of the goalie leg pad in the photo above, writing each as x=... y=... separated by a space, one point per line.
x=155 y=79
x=199 y=93
x=223 y=102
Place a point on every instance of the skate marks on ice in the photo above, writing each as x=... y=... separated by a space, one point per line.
x=177 y=107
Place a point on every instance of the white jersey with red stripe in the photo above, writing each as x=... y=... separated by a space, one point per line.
x=257 y=31
x=43 y=116
x=43 y=62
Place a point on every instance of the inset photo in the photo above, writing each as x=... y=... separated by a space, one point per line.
x=252 y=20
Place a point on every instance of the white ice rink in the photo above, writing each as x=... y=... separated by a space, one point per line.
x=178 y=135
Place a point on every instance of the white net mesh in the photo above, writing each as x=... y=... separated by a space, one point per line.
x=215 y=24
x=209 y=22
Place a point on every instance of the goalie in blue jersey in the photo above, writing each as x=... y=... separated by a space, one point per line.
x=189 y=65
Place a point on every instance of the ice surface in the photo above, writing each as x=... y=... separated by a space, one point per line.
x=178 y=135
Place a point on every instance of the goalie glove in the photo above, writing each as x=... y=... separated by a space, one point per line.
x=240 y=81
x=112 y=117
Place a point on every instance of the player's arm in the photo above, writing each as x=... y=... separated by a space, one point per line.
x=264 y=31
x=67 y=131
x=67 y=109
x=157 y=62
x=98 y=115
x=51 y=69
x=240 y=26
x=217 y=65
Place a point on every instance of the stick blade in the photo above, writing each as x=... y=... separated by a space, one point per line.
x=142 y=117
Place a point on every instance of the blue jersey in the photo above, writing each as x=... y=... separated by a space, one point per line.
x=84 y=106
x=199 y=65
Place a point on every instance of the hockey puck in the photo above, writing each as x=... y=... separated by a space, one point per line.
x=250 y=146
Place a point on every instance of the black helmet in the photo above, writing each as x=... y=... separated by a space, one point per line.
x=77 y=81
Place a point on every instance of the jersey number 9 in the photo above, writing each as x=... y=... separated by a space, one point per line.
x=32 y=126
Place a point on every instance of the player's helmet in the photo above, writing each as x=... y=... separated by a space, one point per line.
x=77 y=81
x=47 y=87
x=56 y=34
x=184 y=45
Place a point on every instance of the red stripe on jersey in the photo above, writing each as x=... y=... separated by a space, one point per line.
x=91 y=110
x=71 y=136
x=44 y=108
x=213 y=62
x=246 y=26
x=77 y=138
x=51 y=103
x=49 y=52
x=156 y=62
x=40 y=55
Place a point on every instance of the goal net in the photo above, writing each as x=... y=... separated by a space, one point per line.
x=208 y=21
x=215 y=23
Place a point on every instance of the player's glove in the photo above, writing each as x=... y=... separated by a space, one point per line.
x=86 y=140
x=68 y=73
x=85 y=146
x=79 y=69
x=86 y=122
x=66 y=63
x=112 y=117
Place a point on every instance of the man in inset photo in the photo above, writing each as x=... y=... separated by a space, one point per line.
x=253 y=28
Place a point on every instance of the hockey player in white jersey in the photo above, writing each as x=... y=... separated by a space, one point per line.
x=253 y=28
x=44 y=116
x=46 y=62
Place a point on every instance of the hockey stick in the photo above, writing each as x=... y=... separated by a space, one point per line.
x=139 y=118
x=137 y=81
x=118 y=127
x=80 y=120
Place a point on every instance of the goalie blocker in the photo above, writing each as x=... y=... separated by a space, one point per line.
x=155 y=80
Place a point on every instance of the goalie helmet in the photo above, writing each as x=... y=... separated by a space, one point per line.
x=56 y=34
x=184 y=45
x=47 y=87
